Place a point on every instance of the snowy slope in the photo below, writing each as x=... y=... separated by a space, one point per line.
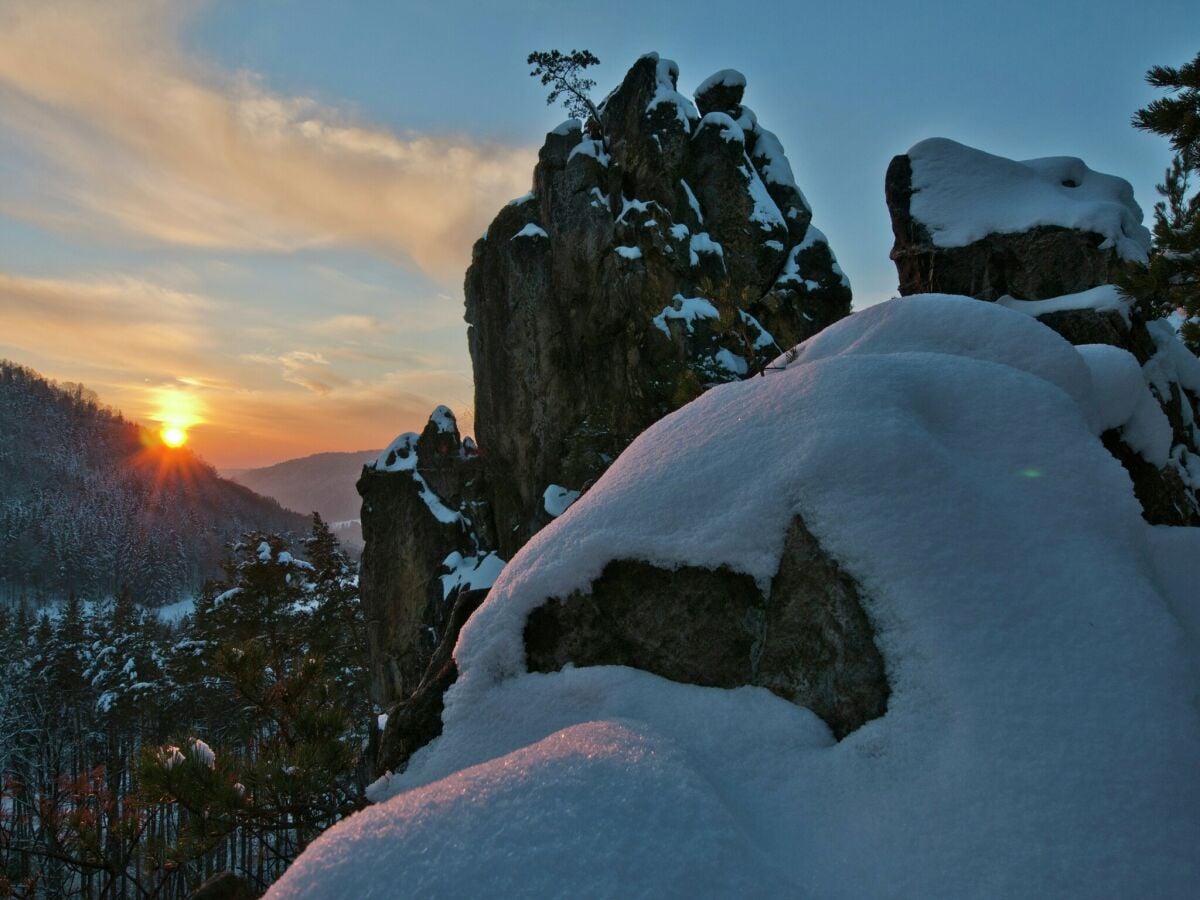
x=1041 y=643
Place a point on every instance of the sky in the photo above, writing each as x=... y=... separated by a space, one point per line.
x=254 y=216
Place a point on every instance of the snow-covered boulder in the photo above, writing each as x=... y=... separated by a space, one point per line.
x=968 y=222
x=1159 y=445
x=1041 y=643
x=1044 y=237
x=721 y=92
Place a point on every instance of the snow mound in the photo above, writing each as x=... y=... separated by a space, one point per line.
x=597 y=779
x=730 y=130
x=1041 y=643
x=1122 y=399
x=725 y=78
x=556 y=499
x=962 y=195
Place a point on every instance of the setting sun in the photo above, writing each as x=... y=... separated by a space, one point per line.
x=176 y=411
x=174 y=437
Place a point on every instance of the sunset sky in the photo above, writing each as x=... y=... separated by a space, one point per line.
x=262 y=211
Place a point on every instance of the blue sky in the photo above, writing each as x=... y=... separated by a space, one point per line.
x=268 y=206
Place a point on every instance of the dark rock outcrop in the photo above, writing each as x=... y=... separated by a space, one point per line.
x=808 y=640
x=721 y=92
x=417 y=720
x=1048 y=261
x=673 y=254
x=421 y=504
x=657 y=254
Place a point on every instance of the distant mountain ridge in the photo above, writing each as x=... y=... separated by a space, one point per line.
x=95 y=505
x=322 y=482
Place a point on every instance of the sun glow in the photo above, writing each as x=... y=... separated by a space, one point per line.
x=176 y=411
x=173 y=437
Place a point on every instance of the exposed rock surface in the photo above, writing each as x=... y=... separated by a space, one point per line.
x=658 y=253
x=808 y=640
x=673 y=254
x=417 y=720
x=1081 y=227
x=418 y=500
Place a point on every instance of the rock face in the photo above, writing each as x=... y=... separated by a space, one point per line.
x=417 y=719
x=658 y=253
x=420 y=512
x=967 y=222
x=970 y=223
x=808 y=640
x=673 y=253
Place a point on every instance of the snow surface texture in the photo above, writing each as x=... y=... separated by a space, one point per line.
x=962 y=195
x=556 y=499
x=1041 y=642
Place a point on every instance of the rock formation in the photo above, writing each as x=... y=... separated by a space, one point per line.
x=671 y=252
x=659 y=252
x=1053 y=231
x=967 y=222
x=426 y=537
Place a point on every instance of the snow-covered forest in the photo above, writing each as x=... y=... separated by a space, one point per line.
x=109 y=716
x=88 y=509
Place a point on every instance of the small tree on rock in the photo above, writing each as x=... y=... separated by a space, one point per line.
x=563 y=74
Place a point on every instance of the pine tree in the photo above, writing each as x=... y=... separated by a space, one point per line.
x=563 y=74
x=276 y=659
x=1171 y=279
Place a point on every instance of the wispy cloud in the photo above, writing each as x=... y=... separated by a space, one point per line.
x=150 y=140
x=120 y=324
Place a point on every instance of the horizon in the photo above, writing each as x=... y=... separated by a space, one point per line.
x=269 y=211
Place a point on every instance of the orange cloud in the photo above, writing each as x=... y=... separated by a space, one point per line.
x=117 y=324
x=146 y=138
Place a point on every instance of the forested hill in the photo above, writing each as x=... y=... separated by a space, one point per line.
x=323 y=482
x=89 y=505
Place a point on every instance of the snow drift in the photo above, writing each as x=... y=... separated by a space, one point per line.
x=1041 y=641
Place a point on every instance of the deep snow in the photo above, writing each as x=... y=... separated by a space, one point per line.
x=1041 y=642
